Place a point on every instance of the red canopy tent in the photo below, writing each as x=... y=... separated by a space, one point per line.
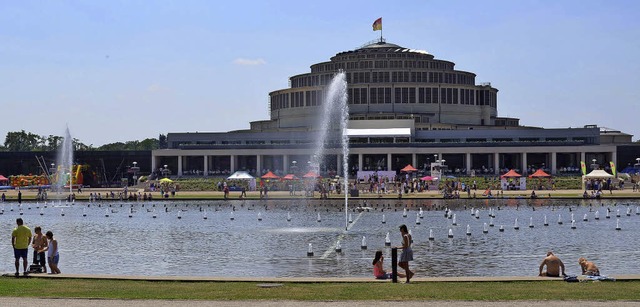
x=290 y=177
x=409 y=168
x=3 y=178
x=426 y=178
x=540 y=174
x=270 y=175
x=311 y=174
x=511 y=174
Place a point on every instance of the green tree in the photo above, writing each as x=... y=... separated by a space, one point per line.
x=149 y=144
x=53 y=142
x=77 y=145
x=112 y=146
x=22 y=141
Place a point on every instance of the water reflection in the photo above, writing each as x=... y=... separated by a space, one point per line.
x=219 y=246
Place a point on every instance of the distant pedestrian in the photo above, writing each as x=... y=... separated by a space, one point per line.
x=20 y=239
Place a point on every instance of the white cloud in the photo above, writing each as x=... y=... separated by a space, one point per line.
x=155 y=88
x=249 y=62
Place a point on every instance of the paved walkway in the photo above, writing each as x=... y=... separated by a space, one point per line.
x=202 y=195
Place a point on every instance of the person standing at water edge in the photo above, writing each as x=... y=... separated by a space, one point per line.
x=407 y=252
x=39 y=245
x=52 y=253
x=20 y=239
x=554 y=264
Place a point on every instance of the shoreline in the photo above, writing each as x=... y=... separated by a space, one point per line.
x=31 y=195
x=619 y=277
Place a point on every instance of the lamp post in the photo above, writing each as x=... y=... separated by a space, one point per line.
x=165 y=171
x=135 y=169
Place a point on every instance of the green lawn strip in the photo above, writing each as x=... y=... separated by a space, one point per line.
x=169 y=290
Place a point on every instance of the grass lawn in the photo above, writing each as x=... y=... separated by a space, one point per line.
x=170 y=290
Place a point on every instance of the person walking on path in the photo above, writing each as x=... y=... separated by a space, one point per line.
x=20 y=239
x=407 y=252
x=52 y=253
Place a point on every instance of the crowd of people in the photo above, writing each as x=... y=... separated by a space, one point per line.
x=45 y=249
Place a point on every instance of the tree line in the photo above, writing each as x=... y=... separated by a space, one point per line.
x=27 y=141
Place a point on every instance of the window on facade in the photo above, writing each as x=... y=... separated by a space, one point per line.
x=529 y=139
x=455 y=95
x=356 y=96
x=232 y=142
x=556 y=139
x=373 y=95
x=280 y=142
x=475 y=140
x=363 y=96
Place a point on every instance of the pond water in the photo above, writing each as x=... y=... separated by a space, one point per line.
x=274 y=247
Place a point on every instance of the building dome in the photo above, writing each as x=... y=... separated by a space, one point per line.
x=388 y=82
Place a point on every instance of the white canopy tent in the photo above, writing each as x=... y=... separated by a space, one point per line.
x=242 y=175
x=595 y=174
x=598 y=174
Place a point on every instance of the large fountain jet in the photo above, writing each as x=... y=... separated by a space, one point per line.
x=333 y=125
x=64 y=160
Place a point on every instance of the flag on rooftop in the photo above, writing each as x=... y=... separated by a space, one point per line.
x=377 y=25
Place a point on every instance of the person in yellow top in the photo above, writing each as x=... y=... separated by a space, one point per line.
x=20 y=239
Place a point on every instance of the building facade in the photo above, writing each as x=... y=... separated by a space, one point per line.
x=405 y=107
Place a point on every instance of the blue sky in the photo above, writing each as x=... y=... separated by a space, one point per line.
x=129 y=70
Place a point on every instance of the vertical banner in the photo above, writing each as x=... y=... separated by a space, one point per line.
x=613 y=168
x=583 y=167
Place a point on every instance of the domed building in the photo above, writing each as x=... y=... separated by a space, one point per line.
x=405 y=107
x=387 y=81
